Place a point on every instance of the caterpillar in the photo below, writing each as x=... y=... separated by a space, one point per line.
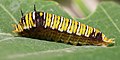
x=42 y=25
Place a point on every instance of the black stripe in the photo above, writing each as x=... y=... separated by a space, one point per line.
x=92 y=35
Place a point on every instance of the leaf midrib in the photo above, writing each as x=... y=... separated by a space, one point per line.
x=3 y=7
x=110 y=18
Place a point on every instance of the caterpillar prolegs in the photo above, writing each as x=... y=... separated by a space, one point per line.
x=43 y=25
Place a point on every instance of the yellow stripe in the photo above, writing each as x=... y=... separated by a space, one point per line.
x=66 y=24
x=58 y=21
x=49 y=20
x=71 y=28
x=63 y=24
x=26 y=19
x=78 y=29
x=30 y=19
x=21 y=24
x=19 y=28
x=54 y=24
x=103 y=36
x=75 y=27
x=90 y=30
x=82 y=29
x=16 y=29
x=105 y=39
x=24 y=24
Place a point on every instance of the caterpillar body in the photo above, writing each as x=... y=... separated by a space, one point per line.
x=43 y=25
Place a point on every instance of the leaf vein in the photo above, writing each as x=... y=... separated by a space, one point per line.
x=69 y=50
x=5 y=39
x=5 y=34
x=3 y=7
x=110 y=18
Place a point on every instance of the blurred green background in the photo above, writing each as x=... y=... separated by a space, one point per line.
x=101 y=14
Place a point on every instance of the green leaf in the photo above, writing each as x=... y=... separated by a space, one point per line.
x=106 y=18
x=82 y=7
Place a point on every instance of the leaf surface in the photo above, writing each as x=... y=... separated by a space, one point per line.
x=106 y=18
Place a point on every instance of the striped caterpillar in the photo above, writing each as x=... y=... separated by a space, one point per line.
x=43 y=25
